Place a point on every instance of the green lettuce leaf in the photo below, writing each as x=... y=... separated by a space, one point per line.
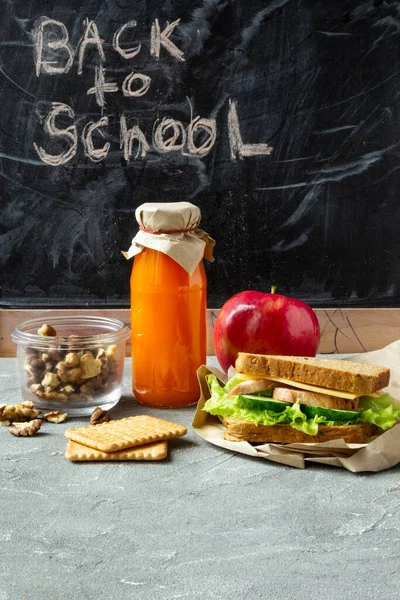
x=233 y=381
x=383 y=411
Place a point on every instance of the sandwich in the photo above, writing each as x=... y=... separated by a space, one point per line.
x=291 y=399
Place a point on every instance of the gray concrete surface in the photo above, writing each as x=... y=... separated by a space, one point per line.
x=204 y=524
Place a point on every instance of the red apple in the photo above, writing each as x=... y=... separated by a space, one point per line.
x=264 y=324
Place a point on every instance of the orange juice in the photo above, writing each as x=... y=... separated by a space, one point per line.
x=168 y=316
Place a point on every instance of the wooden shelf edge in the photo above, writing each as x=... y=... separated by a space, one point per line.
x=343 y=330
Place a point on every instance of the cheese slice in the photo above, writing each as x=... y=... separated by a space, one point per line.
x=305 y=386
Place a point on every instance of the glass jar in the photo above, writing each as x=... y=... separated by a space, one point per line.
x=74 y=365
x=168 y=303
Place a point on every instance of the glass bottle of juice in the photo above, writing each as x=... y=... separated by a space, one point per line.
x=168 y=304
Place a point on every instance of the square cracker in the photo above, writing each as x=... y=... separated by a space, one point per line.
x=125 y=433
x=78 y=452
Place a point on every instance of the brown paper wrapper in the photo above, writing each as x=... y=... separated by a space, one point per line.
x=187 y=248
x=381 y=453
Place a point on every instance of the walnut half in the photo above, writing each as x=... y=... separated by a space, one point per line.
x=55 y=416
x=99 y=416
x=18 y=412
x=28 y=428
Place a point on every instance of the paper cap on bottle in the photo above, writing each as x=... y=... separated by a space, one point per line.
x=172 y=228
x=168 y=216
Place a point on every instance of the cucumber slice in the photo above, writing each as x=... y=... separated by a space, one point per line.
x=330 y=414
x=264 y=393
x=263 y=403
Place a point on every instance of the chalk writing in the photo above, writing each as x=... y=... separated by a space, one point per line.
x=128 y=53
x=96 y=155
x=69 y=134
x=171 y=143
x=54 y=55
x=101 y=87
x=238 y=148
x=90 y=37
x=45 y=66
x=161 y=38
x=141 y=91
x=210 y=127
x=128 y=136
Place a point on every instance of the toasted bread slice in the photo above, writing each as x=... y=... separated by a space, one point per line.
x=243 y=431
x=323 y=372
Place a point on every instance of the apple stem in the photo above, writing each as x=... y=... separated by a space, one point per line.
x=273 y=289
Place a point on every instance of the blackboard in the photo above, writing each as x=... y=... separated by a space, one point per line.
x=279 y=119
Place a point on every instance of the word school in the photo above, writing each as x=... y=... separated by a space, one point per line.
x=54 y=55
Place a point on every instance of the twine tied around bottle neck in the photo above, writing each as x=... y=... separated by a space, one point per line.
x=168 y=232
